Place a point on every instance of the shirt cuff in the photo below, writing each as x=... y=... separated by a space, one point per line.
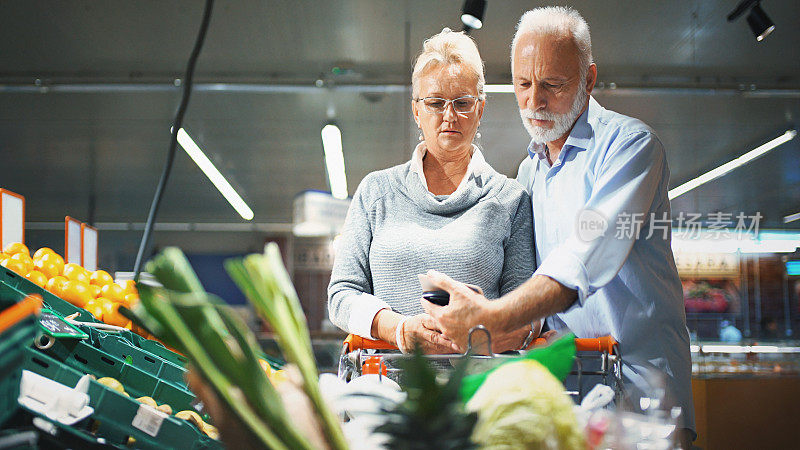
x=568 y=270
x=363 y=309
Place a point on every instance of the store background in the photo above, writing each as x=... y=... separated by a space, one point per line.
x=87 y=95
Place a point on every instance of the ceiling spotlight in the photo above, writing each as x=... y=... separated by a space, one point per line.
x=760 y=23
x=757 y=19
x=472 y=14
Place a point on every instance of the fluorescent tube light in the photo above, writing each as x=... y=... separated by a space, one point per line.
x=214 y=175
x=791 y=217
x=334 y=160
x=498 y=88
x=766 y=242
x=731 y=165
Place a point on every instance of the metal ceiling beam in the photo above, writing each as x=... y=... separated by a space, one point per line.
x=608 y=88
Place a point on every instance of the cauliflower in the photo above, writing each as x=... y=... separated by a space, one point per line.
x=522 y=405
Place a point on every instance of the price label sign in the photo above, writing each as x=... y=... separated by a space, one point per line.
x=80 y=243
x=54 y=325
x=72 y=240
x=12 y=218
x=89 y=247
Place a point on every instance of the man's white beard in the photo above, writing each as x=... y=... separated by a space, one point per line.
x=561 y=122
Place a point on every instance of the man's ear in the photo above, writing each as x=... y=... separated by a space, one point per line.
x=591 y=78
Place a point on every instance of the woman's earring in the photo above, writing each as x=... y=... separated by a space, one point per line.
x=478 y=135
x=421 y=137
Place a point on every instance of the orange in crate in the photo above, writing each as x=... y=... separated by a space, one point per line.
x=24 y=259
x=55 y=284
x=76 y=292
x=75 y=272
x=16 y=247
x=95 y=290
x=42 y=251
x=50 y=264
x=112 y=316
x=37 y=278
x=95 y=308
x=130 y=300
x=113 y=292
x=100 y=278
x=129 y=286
x=49 y=268
x=15 y=265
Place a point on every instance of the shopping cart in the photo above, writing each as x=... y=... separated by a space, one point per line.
x=597 y=360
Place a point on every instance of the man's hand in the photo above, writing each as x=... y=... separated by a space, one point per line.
x=503 y=342
x=423 y=330
x=466 y=309
x=514 y=339
x=539 y=297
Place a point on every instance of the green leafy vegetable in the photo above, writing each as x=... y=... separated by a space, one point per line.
x=522 y=405
x=219 y=345
x=432 y=416
x=265 y=282
x=557 y=357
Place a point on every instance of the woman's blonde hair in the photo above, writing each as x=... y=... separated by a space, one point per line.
x=447 y=48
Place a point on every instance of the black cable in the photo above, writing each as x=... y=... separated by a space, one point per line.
x=173 y=143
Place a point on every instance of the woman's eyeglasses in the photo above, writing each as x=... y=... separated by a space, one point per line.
x=461 y=105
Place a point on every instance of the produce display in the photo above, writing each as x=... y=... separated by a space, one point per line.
x=706 y=297
x=77 y=350
x=224 y=350
x=517 y=402
x=94 y=291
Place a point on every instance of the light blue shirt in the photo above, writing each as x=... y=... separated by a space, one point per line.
x=602 y=227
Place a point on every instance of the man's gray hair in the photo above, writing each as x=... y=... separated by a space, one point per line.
x=557 y=21
x=446 y=48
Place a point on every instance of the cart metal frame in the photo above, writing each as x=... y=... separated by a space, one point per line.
x=358 y=351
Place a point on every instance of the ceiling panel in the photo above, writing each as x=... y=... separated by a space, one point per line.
x=65 y=150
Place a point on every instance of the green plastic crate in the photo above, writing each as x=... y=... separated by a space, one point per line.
x=26 y=287
x=114 y=413
x=85 y=358
x=117 y=345
x=9 y=295
x=158 y=349
x=63 y=307
x=13 y=342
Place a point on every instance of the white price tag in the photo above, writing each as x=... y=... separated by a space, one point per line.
x=148 y=419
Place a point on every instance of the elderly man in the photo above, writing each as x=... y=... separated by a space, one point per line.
x=598 y=183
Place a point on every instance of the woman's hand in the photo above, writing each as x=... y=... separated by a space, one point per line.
x=423 y=330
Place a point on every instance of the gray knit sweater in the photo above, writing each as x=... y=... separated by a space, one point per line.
x=395 y=229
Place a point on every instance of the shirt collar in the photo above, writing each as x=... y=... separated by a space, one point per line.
x=580 y=135
x=473 y=168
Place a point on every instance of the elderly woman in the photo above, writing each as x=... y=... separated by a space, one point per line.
x=445 y=209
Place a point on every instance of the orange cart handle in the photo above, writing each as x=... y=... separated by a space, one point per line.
x=14 y=314
x=601 y=344
x=355 y=342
